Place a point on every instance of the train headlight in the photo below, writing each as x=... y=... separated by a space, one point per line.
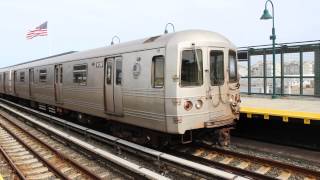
x=188 y=105
x=199 y=104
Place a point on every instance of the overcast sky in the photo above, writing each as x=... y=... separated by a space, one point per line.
x=85 y=24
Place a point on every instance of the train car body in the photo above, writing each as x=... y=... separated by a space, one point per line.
x=173 y=83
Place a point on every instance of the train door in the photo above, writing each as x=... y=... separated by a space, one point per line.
x=58 y=80
x=10 y=82
x=1 y=81
x=14 y=81
x=31 y=82
x=218 y=87
x=112 y=85
x=4 y=81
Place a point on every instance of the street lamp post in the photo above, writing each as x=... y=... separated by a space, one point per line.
x=265 y=16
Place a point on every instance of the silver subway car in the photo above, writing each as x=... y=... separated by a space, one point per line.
x=172 y=84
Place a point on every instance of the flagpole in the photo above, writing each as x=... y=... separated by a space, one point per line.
x=49 y=46
x=49 y=43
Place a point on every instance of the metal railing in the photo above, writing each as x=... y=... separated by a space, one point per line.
x=297 y=69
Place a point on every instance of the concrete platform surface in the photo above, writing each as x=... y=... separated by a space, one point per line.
x=303 y=108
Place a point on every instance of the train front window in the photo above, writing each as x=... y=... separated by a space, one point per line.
x=233 y=75
x=216 y=68
x=191 y=68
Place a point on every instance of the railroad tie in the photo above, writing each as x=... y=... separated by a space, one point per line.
x=198 y=152
x=15 y=150
x=284 y=175
x=26 y=162
x=36 y=171
x=226 y=160
x=211 y=156
x=21 y=153
x=47 y=175
x=243 y=165
x=74 y=175
x=263 y=169
x=35 y=165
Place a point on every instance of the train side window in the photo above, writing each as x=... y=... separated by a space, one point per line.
x=157 y=72
x=22 y=76
x=80 y=74
x=118 y=72
x=233 y=75
x=43 y=75
x=216 y=68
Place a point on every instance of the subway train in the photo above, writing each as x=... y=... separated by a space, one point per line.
x=173 y=87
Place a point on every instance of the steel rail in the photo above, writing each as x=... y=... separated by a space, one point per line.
x=260 y=160
x=46 y=162
x=243 y=172
x=59 y=154
x=139 y=171
x=13 y=166
x=161 y=156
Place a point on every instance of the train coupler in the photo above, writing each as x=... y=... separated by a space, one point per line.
x=222 y=136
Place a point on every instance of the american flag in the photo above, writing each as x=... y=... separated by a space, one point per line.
x=38 y=31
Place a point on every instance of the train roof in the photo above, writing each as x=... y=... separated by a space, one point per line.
x=131 y=46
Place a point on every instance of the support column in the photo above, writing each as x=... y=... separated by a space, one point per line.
x=265 y=72
x=249 y=72
x=301 y=71
x=282 y=72
x=317 y=72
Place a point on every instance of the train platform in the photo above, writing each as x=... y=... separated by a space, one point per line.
x=303 y=108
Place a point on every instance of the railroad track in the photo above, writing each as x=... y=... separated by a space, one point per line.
x=6 y=171
x=58 y=163
x=32 y=158
x=243 y=164
x=166 y=164
x=206 y=161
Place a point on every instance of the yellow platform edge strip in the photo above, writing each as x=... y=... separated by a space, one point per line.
x=282 y=113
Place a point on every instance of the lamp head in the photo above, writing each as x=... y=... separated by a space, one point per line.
x=266 y=15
